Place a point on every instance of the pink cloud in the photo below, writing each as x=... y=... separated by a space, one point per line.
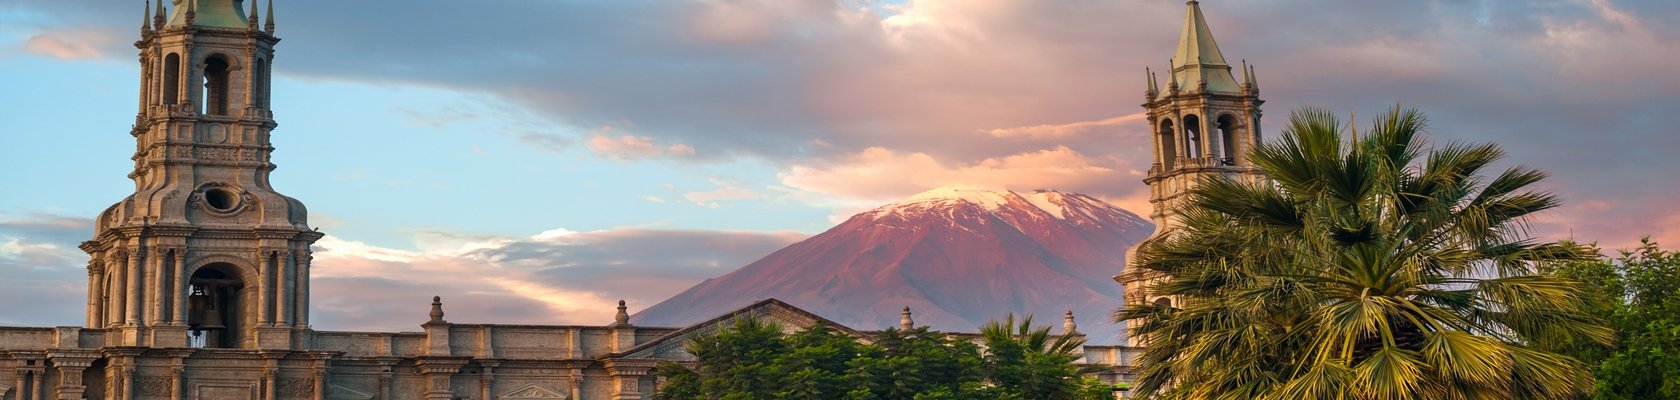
x=71 y=44
x=627 y=147
x=878 y=175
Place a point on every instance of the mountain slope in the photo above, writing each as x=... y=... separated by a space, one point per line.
x=956 y=256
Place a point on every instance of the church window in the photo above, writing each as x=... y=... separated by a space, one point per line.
x=220 y=199
x=1228 y=140
x=171 y=78
x=216 y=86
x=1193 y=136
x=1169 y=146
x=259 y=88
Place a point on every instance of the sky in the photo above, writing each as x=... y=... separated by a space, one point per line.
x=535 y=161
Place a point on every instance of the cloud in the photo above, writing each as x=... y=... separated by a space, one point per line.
x=40 y=265
x=73 y=43
x=627 y=147
x=725 y=191
x=1068 y=129
x=879 y=175
x=554 y=277
x=813 y=87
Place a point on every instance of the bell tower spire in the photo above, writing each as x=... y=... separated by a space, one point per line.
x=204 y=225
x=1203 y=129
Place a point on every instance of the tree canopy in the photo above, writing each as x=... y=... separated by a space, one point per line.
x=752 y=359
x=1638 y=292
x=1367 y=266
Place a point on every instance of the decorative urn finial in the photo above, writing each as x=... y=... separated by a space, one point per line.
x=904 y=321
x=623 y=317
x=1068 y=326
x=437 y=310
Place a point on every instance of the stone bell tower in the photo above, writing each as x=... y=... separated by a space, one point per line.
x=1203 y=124
x=204 y=252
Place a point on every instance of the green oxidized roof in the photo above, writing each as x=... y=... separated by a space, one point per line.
x=210 y=13
x=1198 y=57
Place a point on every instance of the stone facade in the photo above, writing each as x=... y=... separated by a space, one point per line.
x=198 y=283
x=1203 y=124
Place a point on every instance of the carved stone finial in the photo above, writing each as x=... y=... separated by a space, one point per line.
x=1068 y=326
x=437 y=310
x=904 y=320
x=146 y=21
x=623 y=317
x=253 y=17
x=269 y=27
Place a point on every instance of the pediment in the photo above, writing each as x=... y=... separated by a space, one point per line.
x=343 y=393
x=672 y=346
x=532 y=392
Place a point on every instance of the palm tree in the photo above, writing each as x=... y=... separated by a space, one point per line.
x=1032 y=363
x=1375 y=267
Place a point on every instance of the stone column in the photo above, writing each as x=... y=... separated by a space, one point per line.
x=93 y=294
x=22 y=382
x=127 y=380
x=182 y=288
x=304 y=258
x=487 y=379
x=35 y=379
x=119 y=289
x=320 y=383
x=266 y=294
x=282 y=285
x=156 y=289
x=177 y=381
x=385 y=383
x=271 y=374
x=133 y=272
x=577 y=384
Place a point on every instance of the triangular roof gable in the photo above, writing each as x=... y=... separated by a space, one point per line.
x=343 y=393
x=532 y=391
x=671 y=346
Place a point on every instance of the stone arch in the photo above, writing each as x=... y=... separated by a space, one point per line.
x=1228 y=129
x=217 y=74
x=238 y=304
x=1163 y=302
x=1168 y=143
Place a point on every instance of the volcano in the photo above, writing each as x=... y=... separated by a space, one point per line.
x=957 y=256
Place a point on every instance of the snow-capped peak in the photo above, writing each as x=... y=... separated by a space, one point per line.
x=989 y=199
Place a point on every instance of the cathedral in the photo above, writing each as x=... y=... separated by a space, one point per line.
x=198 y=282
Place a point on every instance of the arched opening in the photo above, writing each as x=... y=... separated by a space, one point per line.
x=1169 y=147
x=171 y=79
x=213 y=307
x=259 y=87
x=1192 y=136
x=216 y=85
x=1163 y=302
x=1227 y=140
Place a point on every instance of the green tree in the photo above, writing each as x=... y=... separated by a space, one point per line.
x=1639 y=293
x=1030 y=363
x=742 y=362
x=1372 y=268
x=755 y=360
x=918 y=364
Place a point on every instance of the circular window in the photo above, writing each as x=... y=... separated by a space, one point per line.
x=220 y=199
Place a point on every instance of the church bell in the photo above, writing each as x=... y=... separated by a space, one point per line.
x=202 y=313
